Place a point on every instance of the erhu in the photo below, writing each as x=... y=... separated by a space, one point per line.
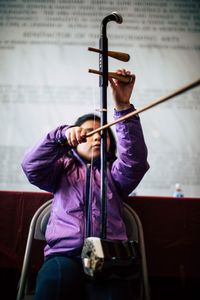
x=100 y=254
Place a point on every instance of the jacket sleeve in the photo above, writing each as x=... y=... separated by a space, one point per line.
x=131 y=163
x=42 y=164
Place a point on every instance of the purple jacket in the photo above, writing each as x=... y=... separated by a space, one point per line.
x=47 y=167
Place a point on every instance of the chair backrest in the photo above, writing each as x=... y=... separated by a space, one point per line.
x=42 y=220
x=134 y=231
x=37 y=231
x=130 y=222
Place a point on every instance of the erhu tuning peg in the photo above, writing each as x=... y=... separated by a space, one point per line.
x=122 y=78
x=118 y=55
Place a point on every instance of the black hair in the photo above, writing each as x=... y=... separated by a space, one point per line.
x=93 y=117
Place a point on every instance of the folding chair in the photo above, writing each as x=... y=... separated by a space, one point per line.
x=134 y=231
x=37 y=231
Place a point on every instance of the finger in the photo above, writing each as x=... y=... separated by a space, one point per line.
x=77 y=135
x=68 y=136
x=133 y=79
x=119 y=71
x=122 y=72
x=112 y=82
x=73 y=138
x=81 y=135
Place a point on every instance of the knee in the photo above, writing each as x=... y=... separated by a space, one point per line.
x=60 y=269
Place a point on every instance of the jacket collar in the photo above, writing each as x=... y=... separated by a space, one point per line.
x=96 y=162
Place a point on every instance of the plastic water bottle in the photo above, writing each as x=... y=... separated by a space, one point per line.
x=178 y=191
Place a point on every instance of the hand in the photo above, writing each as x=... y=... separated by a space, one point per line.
x=75 y=135
x=122 y=91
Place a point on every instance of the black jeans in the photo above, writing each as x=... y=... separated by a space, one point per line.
x=62 y=278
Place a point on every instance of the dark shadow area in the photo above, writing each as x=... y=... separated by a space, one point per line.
x=161 y=288
x=174 y=289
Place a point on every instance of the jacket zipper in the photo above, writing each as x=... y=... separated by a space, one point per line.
x=88 y=201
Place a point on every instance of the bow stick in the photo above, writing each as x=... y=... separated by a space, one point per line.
x=152 y=104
